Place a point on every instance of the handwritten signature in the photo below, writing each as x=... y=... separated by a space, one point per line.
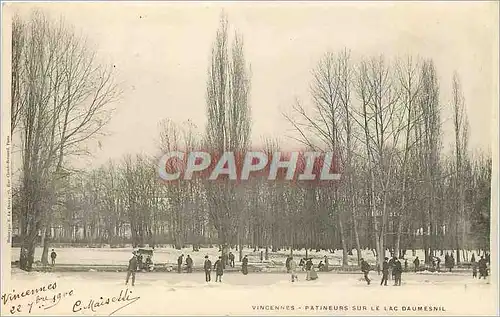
x=92 y=304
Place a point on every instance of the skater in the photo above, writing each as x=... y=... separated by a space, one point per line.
x=244 y=265
x=179 y=263
x=132 y=268
x=309 y=266
x=398 y=271
x=326 y=264
x=452 y=262
x=365 y=268
x=219 y=269
x=406 y=265
x=293 y=269
x=53 y=256
x=385 y=272
x=287 y=263
x=231 y=259
x=261 y=256
x=474 y=269
x=189 y=264
x=207 y=266
x=416 y=264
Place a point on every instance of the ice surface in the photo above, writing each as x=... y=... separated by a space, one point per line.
x=120 y=256
x=175 y=294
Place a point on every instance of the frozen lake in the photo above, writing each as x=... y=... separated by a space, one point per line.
x=253 y=294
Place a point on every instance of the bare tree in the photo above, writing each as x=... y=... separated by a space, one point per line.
x=228 y=124
x=62 y=98
x=461 y=126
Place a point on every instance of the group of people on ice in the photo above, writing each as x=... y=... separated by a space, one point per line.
x=306 y=264
x=220 y=265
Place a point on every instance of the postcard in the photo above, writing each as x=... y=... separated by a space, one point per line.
x=249 y=158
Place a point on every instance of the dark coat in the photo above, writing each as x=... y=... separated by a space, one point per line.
x=365 y=267
x=244 y=262
x=219 y=267
x=53 y=255
x=207 y=266
x=179 y=260
x=397 y=267
x=189 y=262
x=309 y=265
x=132 y=264
x=385 y=267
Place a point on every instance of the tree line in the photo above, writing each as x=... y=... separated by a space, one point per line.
x=382 y=118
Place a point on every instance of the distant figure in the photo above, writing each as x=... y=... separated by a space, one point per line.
x=438 y=264
x=261 y=256
x=219 y=269
x=53 y=256
x=483 y=268
x=473 y=258
x=474 y=269
x=385 y=272
x=293 y=269
x=149 y=264
x=231 y=259
x=365 y=268
x=406 y=265
x=244 y=265
x=398 y=271
x=301 y=264
x=189 y=264
x=321 y=266
x=179 y=263
x=132 y=268
x=416 y=264
x=287 y=263
x=207 y=266
x=309 y=266
x=326 y=264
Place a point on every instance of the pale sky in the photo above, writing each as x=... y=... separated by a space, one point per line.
x=162 y=51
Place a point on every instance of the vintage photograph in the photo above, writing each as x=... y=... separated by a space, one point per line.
x=249 y=158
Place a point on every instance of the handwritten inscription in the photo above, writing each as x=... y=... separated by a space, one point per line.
x=125 y=298
x=37 y=298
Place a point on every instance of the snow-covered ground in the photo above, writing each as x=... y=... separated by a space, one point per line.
x=120 y=256
x=253 y=294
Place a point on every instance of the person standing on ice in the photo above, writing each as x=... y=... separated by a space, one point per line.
x=326 y=264
x=231 y=259
x=398 y=271
x=474 y=269
x=189 y=264
x=207 y=266
x=53 y=256
x=416 y=264
x=244 y=265
x=179 y=263
x=385 y=272
x=309 y=266
x=219 y=269
x=391 y=268
x=132 y=268
x=293 y=269
x=287 y=263
x=365 y=268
